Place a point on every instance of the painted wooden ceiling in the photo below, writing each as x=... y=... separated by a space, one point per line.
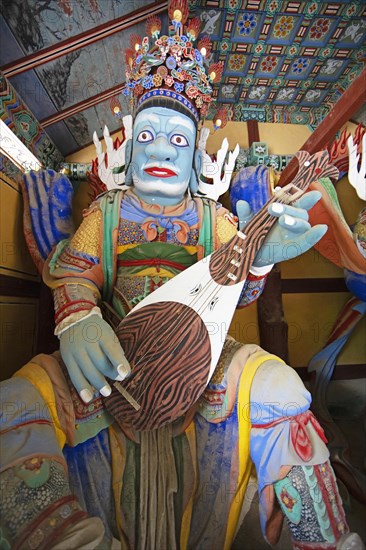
x=284 y=61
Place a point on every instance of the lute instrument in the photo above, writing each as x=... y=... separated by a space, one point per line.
x=174 y=337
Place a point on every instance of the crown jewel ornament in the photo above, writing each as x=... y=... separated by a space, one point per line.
x=170 y=68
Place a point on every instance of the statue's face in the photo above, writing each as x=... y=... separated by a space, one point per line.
x=162 y=155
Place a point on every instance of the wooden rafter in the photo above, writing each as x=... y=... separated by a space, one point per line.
x=83 y=39
x=348 y=104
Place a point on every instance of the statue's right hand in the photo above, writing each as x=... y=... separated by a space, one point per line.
x=91 y=351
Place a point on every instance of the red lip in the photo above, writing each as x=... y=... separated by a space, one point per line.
x=159 y=172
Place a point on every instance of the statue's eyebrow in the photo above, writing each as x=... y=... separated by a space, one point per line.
x=147 y=118
x=150 y=117
x=180 y=121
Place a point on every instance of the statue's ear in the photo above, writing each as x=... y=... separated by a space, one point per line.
x=196 y=170
x=128 y=157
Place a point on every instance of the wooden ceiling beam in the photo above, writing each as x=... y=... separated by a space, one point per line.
x=83 y=39
x=82 y=105
x=347 y=105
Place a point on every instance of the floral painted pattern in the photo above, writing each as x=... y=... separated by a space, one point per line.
x=351 y=10
x=247 y=23
x=319 y=28
x=148 y=82
x=284 y=26
x=157 y=80
x=292 y=50
x=300 y=65
x=225 y=45
x=233 y=4
x=312 y=8
x=191 y=91
x=272 y=6
x=259 y=48
x=178 y=86
x=236 y=62
x=269 y=63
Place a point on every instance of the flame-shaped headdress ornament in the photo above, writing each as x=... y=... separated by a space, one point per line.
x=168 y=70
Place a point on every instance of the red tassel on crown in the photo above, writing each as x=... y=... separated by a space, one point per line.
x=204 y=46
x=153 y=26
x=135 y=42
x=193 y=28
x=215 y=71
x=178 y=11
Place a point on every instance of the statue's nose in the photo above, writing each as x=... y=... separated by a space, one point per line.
x=161 y=149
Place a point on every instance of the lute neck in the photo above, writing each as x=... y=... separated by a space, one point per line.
x=231 y=263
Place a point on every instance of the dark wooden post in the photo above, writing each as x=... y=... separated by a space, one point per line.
x=47 y=342
x=253 y=131
x=273 y=329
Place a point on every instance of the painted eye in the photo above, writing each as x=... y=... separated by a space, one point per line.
x=145 y=137
x=179 y=140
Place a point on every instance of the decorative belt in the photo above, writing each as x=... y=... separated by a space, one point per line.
x=156 y=262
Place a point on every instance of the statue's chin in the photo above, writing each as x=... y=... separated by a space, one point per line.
x=160 y=190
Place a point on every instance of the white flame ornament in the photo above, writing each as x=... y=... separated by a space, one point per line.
x=214 y=181
x=112 y=163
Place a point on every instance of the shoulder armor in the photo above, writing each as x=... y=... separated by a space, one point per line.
x=87 y=237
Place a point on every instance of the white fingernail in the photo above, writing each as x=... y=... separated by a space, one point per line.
x=289 y=220
x=86 y=395
x=122 y=371
x=277 y=208
x=105 y=390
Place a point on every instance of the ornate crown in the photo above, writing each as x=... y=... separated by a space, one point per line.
x=161 y=69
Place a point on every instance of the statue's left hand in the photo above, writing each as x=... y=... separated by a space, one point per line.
x=291 y=236
x=91 y=352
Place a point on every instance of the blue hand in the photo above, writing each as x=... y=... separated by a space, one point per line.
x=91 y=351
x=49 y=207
x=291 y=236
